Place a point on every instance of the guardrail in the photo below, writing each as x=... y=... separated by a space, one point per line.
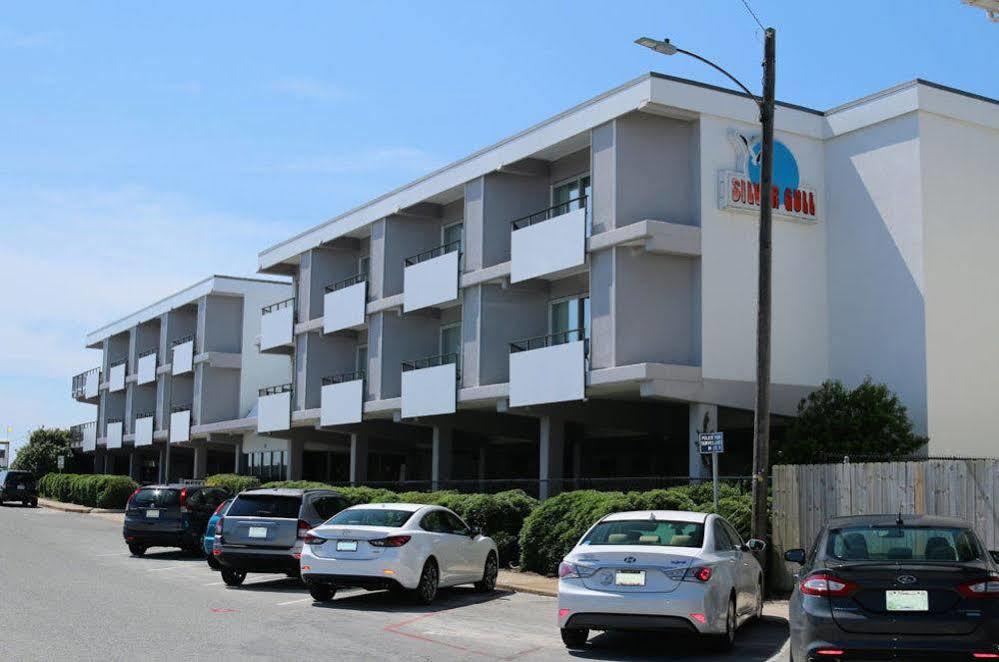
x=274 y=390
x=145 y=414
x=443 y=249
x=344 y=377
x=549 y=213
x=176 y=408
x=147 y=353
x=79 y=387
x=277 y=306
x=181 y=341
x=430 y=362
x=347 y=282
x=560 y=338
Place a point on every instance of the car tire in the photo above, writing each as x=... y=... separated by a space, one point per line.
x=489 y=572
x=426 y=590
x=322 y=592
x=34 y=503
x=574 y=638
x=213 y=563
x=724 y=642
x=136 y=549
x=233 y=577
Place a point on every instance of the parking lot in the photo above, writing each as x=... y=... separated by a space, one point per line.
x=69 y=590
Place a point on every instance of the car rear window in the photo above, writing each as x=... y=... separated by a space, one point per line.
x=265 y=505
x=153 y=498
x=371 y=517
x=662 y=533
x=903 y=543
x=20 y=477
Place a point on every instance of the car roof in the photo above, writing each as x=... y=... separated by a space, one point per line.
x=892 y=520
x=276 y=491
x=410 y=507
x=171 y=486
x=674 y=515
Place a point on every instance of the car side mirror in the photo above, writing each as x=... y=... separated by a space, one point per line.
x=475 y=531
x=994 y=554
x=795 y=556
x=756 y=545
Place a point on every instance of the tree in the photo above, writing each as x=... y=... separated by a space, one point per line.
x=39 y=455
x=835 y=421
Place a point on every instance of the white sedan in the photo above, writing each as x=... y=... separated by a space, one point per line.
x=397 y=546
x=660 y=570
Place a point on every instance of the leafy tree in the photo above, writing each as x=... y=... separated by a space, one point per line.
x=835 y=421
x=39 y=455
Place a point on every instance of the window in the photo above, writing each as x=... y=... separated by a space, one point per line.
x=454 y=524
x=733 y=535
x=662 y=533
x=565 y=197
x=723 y=543
x=266 y=465
x=362 y=359
x=364 y=264
x=452 y=234
x=371 y=517
x=433 y=522
x=155 y=499
x=265 y=505
x=903 y=543
x=329 y=506
x=567 y=317
x=451 y=339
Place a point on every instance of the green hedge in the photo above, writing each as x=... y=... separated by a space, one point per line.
x=232 y=482
x=93 y=490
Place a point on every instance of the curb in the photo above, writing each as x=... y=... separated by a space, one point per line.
x=64 y=507
x=525 y=589
x=113 y=511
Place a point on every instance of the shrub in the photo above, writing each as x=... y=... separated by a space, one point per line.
x=233 y=482
x=93 y=490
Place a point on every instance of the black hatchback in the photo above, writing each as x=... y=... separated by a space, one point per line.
x=18 y=486
x=170 y=516
x=895 y=587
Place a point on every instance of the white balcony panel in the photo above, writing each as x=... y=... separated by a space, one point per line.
x=344 y=309
x=147 y=369
x=430 y=283
x=342 y=403
x=274 y=412
x=92 y=384
x=183 y=358
x=89 y=443
x=144 y=431
x=430 y=391
x=277 y=328
x=115 y=432
x=548 y=247
x=116 y=380
x=180 y=426
x=549 y=374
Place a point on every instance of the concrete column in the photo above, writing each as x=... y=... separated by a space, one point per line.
x=296 y=456
x=108 y=462
x=483 y=459
x=99 y=460
x=440 y=463
x=134 y=464
x=164 y=455
x=696 y=425
x=166 y=462
x=552 y=447
x=200 y=461
x=358 y=458
x=577 y=462
x=237 y=460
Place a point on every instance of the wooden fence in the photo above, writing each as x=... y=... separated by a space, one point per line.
x=805 y=496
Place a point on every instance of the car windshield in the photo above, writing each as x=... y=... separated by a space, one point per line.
x=662 y=533
x=371 y=517
x=265 y=505
x=903 y=543
x=155 y=499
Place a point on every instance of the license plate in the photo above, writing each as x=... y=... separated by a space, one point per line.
x=346 y=545
x=258 y=532
x=630 y=578
x=152 y=514
x=907 y=601
x=20 y=487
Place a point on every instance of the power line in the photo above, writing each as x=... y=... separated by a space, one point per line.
x=753 y=14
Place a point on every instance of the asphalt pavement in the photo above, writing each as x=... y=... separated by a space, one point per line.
x=70 y=591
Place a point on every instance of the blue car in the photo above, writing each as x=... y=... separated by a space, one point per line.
x=209 y=540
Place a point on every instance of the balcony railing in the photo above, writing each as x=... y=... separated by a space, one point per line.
x=115 y=364
x=114 y=419
x=560 y=338
x=344 y=377
x=430 y=362
x=145 y=414
x=274 y=390
x=181 y=341
x=176 y=408
x=551 y=212
x=147 y=353
x=278 y=306
x=76 y=431
x=449 y=247
x=347 y=282
x=80 y=382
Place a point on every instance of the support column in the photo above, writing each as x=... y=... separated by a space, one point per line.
x=166 y=462
x=697 y=424
x=483 y=460
x=162 y=468
x=440 y=467
x=296 y=457
x=237 y=460
x=99 y=460
x=552 y=448
x=108 y=463
x=577 y=462
x=200 y=461
x=358 y=458
x=135 y=464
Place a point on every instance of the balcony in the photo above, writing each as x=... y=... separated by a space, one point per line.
x=431 y=277
x=277 y=327
x=274 y=408
x=345 y=304
x=550 y=243
x=116 y=376
x=430 y=386
x=115 y=432
x=548 y=368
x=144 y=428
x=84 y=436
x=183 y=355
x=86 y=385
x=180 y=423
x=342 y=399
x=146 y=369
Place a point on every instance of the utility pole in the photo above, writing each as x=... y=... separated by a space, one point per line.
x=761 y=435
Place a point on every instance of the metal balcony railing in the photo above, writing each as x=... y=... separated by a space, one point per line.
x=181 y=341
x=278 y=306
x=432 y=361
x=176 y=408
x=114 y=419
x=145 y=414
x=76 y=431
x=443 y=249
x=560 y=338
x=80 y=382
x=115 y=364
x=344 y=377
x=147 y=353
x=347 y=282
x=549 y=213
x=274 y=390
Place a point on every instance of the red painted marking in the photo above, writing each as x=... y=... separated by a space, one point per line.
x=222 y=610
x=395 y=629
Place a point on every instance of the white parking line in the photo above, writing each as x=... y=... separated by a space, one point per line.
x=170 y=567
x=115 y=554
x=294 y=602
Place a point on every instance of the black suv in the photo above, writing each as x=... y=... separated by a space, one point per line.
x=18 y=486
x=170 y=516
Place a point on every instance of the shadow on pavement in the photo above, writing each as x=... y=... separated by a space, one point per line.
x=279 y=584
x=387 y=601
x=758 y=641
x=171 y=555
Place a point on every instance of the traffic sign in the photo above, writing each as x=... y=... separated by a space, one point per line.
x=711 y=442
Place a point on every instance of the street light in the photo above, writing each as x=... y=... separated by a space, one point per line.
x=761 y=435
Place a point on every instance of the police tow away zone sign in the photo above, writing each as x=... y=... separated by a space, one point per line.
x=738 y=193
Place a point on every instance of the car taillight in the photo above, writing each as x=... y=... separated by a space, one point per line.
x=391 y=541
x=568 y=570
x=303 y=528
x=827 y=585
x=313 y=539
x=132 y=496
x=219 y=509
x=702 y=574
x=987 y=587
x=218 y=526
x=183 y=501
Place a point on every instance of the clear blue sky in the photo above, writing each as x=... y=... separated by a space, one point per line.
x=146 y=145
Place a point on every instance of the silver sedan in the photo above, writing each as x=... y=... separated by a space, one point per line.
x=660 y=570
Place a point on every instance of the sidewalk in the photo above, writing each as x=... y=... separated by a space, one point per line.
x=527 y=582
x=75 y=508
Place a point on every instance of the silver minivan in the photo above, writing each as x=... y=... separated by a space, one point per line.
x=263 y=529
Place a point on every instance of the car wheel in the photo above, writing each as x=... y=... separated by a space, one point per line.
x=426 y=590
x=212 y=563
x=34 y=503
x=321 y=592
x=136 y=549
x=488 y=582
x=574 y=637
x=727 y=640
x=233 y=577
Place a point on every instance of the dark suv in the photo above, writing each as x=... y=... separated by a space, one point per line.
x=170 y=516
x=18 y=486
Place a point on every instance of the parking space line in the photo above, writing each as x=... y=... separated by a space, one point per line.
x=293 y=602
x=170 y=567
x=115 y=554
